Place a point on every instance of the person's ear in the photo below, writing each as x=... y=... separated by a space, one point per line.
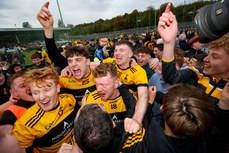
x=130 y=53
x=116 y=83
x=13 y=93
x=58 y=87
x=88 y=61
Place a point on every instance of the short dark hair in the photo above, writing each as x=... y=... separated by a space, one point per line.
x=93 y=129
x=77 y=51
x=142 y=49
x=14 y=66
x=35 y=55
x=160 y=47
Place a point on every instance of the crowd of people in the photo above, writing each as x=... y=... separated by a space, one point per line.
x=164 y=92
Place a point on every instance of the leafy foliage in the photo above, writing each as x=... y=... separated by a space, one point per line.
x=184 y=13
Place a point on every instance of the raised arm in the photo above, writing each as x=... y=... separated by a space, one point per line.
x=167 y=28
x=46 y=20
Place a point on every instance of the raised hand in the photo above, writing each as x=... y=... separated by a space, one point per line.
x=167 y=26
x=46 y=20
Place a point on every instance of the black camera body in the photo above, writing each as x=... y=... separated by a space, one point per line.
x=212 y=21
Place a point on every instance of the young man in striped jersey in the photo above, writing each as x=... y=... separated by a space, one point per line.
x=118 y=102
x=77 y=59
x=49 y=122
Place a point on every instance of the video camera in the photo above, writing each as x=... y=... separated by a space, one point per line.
x=212 y=21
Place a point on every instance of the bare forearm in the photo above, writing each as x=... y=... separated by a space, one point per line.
x=168 y=52
x=140 y=109
x=48 y=32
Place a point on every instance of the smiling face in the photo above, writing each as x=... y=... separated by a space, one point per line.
x=122 y=55
x=36 y=61
x=45 y=94
x=19 y=89
x=216 y=63
x=17 y=69
x=79 y=66
x=142 y=58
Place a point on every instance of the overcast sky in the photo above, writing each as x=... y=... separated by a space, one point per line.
x=15 y=12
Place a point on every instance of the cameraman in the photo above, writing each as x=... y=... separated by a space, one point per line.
x=212 y=78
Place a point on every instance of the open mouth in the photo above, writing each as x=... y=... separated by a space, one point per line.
x=101 y=94
x=45 y=103
x=77 y=72
x=206 y=66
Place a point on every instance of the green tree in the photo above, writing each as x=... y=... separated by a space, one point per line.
x=26 y=25
x=60 y=24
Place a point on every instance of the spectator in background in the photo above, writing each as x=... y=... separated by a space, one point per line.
x=134 y=41
x=158 y=50
x=4 y=88
x=189 y=33
x=158 y=81
x=196 y=47
x=21 y=58
x=183 y=42
x=14 y=68
x=143 y=58
x=99 y=54
x=45 y=57
x=157 y=78
x=91 y=48
x=15 y=59
x=37 y=61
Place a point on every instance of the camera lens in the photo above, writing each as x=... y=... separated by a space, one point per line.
x=212 y=21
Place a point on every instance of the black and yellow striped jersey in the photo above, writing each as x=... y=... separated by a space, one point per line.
x=131 y=76
x=45 y=131
x=207 y=83
x=115 y=107
x=194 y=76
x=118 y=108
x=151 y=138
x=78 y=88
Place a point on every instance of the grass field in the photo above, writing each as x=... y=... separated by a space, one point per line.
x=28 y=55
